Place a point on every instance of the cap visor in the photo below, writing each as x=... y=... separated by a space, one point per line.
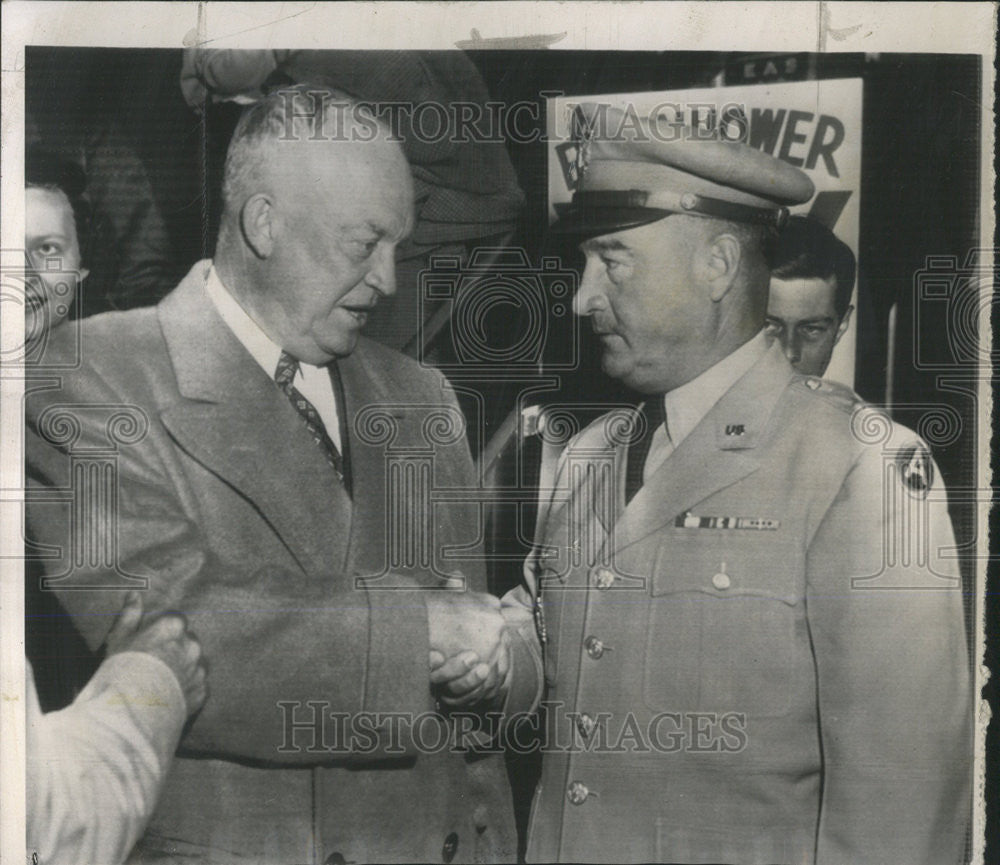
x=594 y=221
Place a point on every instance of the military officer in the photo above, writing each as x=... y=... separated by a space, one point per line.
x=744 y=594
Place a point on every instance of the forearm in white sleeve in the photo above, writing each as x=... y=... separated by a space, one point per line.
x=94 y=769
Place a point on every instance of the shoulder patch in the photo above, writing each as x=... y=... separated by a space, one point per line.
x=916 y=469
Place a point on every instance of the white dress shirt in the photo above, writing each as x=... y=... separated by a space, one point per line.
x=313 y=382
x=688 y=404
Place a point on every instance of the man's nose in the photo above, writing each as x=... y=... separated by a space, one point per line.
x=382 y=276
x=792 y=347
x=33 y=284
x=589 y=297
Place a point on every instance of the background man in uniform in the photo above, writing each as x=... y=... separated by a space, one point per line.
x=749 y=613
x=253 y=498
x=809 y=304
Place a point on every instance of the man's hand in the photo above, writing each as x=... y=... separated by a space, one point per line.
x=166 y=638
x=469 y=650
x=463 y=680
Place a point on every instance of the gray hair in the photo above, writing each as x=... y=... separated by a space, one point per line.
x=303 y=112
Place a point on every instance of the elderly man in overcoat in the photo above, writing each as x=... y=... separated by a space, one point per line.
x=266 y=473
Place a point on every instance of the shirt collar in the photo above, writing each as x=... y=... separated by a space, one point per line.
x=688 y=404
x=261 y=347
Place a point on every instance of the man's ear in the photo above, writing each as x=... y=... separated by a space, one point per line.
x=718 y=263
x=257 y=224
x=842 y=327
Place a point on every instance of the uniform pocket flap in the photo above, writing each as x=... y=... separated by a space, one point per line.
x=728 y=563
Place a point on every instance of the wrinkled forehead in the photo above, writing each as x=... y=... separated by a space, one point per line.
x=367 y=178
x=802 y=297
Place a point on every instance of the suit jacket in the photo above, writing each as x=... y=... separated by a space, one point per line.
x=761 y=658
x=180 y=462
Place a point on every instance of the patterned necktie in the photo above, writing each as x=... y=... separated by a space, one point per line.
x=654 y=414
x=284 y=375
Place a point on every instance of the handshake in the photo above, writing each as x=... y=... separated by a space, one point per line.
x=469 y=648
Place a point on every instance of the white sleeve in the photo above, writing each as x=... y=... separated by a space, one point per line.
x=94 y=769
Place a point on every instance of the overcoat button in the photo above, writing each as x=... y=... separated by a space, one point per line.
x=335 y=859
x=604 y=578
x=450 y=847
x=721 y=581
x=577 y=793
x=595 y=648
x=585 y=724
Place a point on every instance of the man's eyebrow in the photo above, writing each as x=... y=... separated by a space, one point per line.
x=823 y=319
x=377 y=228
x=358 y=227
x=600 y=245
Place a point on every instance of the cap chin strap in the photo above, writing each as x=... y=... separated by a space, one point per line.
x=681 y=202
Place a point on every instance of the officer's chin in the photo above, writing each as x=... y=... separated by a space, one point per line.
x=621 y=369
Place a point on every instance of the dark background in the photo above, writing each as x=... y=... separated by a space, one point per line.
x=920 y=186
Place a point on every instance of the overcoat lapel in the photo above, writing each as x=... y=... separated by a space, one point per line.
x=707 y=460
x=382 y=426
x=368 y=411
x=234 y=421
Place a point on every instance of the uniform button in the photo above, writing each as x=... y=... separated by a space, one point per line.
x=450 y=847
x=595 y=648
x=481 y=816
x=721 y=581
x=335 y=859
x=577 y=793
x=604 y=578
x=585 y=724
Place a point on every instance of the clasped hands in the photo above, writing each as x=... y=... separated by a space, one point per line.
x=469 y=648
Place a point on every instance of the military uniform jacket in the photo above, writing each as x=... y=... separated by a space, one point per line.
x=212 y=489
x=761 y=658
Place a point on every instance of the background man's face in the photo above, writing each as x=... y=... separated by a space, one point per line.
x=340 y=211
x=802 y=317
x=639 y=290
x=53 y=254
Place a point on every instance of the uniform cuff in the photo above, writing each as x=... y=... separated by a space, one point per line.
x=526 y=679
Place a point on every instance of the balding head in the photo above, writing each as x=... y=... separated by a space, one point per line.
x=316 y=196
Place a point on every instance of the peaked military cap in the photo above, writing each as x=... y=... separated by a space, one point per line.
x=630 y=173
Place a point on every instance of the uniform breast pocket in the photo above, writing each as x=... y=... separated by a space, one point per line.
x=722 y=620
